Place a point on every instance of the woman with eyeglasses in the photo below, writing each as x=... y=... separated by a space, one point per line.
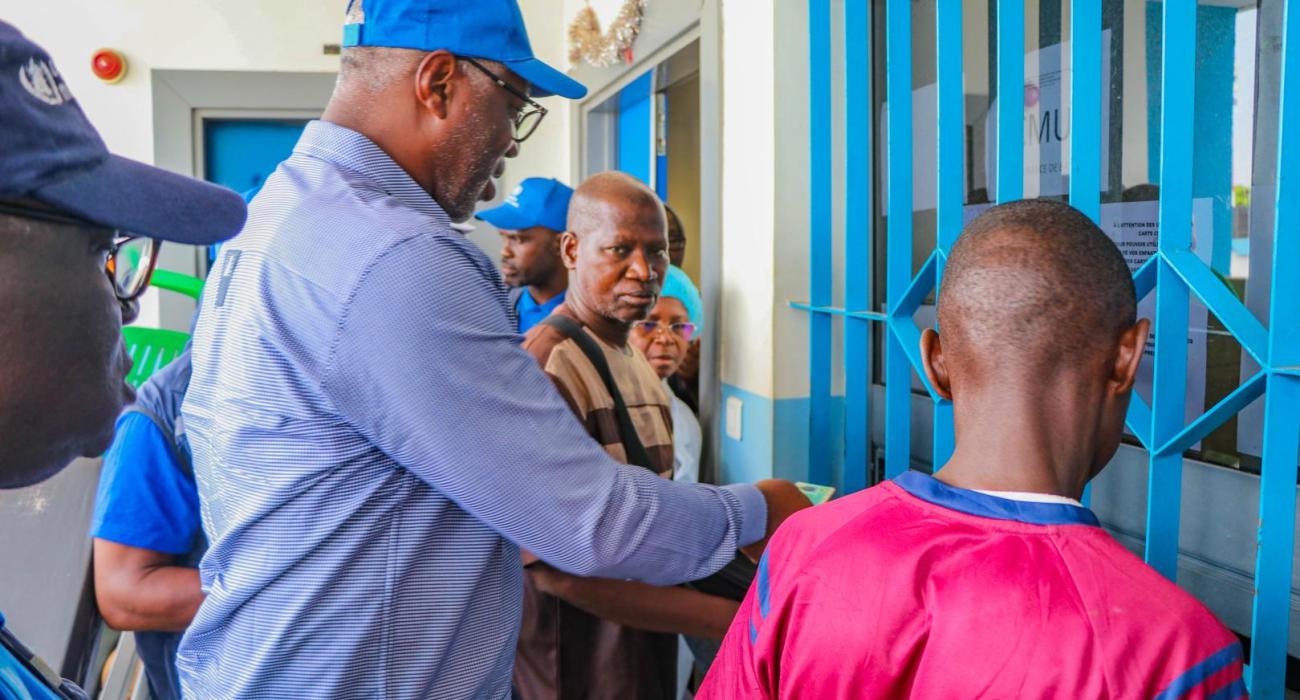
x=665 y=337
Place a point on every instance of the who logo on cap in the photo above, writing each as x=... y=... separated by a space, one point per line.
x=50 y=152
x=537 y=201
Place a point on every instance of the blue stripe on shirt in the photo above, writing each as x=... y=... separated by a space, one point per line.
x=1233 y=691
x=1197 y=674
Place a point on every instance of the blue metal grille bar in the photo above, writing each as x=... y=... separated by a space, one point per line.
x=1138 y=419
x=1011 y=105
x=1226 y=408
x=858 y=210
x=1168 y=399
x=1085 y=121
x=1220 y=300
x=1270 y=617
x=820 y=192
x=1085 y=107
x=950 y=186
x=898 y=246
x=838 y=311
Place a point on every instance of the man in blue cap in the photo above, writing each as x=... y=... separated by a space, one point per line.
x=530 y=222
x=70 y=274
x=372 y=446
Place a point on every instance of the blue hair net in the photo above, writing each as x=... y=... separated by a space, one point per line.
x=680 y=287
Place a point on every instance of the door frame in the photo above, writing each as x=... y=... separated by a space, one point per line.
x=668 y=27
x=181 y=100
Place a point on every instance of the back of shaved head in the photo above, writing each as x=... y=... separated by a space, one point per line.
x=374 y=69
x=366 y=71
x=1033 y=286
x=614 y=199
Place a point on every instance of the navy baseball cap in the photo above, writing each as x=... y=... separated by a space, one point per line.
x=49 y=152
x=537 y=201
x=492 y=30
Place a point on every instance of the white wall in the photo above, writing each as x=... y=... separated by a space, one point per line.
x=253 y=35
x=284 y=35
x=288 y=35
x=748 y=194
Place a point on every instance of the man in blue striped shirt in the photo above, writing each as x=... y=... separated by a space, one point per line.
x=371 y=444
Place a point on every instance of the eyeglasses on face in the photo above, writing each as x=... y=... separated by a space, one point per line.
x=130 y=261
x=685 y=330
x=527 y=120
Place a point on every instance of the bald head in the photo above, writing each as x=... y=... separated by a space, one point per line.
x=614 y=200
x=1032 y=286
x=616 y=250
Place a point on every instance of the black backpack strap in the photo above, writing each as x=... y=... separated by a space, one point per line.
x=513 y=295
x=167 y=431
x=636 y=452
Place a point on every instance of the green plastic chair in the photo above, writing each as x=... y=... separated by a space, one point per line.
x=152 y=348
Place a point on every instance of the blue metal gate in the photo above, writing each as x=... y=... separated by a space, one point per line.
x=1175 y=273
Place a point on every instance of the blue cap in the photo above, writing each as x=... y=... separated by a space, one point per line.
x=51 y=153
x=489 y=29
x=678 y=285
x=537 y=201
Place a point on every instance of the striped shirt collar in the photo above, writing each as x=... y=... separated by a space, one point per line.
x=353 y=151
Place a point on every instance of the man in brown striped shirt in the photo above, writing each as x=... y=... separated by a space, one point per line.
x=616 y=250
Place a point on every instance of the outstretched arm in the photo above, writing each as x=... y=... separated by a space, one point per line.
x=455 y=400
x=632 y=604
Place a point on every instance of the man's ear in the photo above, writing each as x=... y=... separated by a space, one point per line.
x=1132 y=344
x=936 y=367
x=436 y=81
x=569 y=249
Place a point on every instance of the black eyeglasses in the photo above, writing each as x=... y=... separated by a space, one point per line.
x=526 y=121
x=685 y=330
x=131 y=259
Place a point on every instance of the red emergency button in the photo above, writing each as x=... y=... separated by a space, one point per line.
x=108 y=65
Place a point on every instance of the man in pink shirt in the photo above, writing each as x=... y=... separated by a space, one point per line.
x=990 y=580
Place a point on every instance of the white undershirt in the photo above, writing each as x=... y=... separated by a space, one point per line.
x=688 y=441
x=1031 y=497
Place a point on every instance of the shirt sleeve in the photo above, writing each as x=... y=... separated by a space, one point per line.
x=146 y=499
x=427 y=366
x=1216 y=677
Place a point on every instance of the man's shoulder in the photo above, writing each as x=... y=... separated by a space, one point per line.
x=1155 y=629
x=553 y=347
x=140 y=433
x=542 y=340
x=161 y=396
x=568 y=366
x=817 y=537
x=1126 y=583
x=321 y=219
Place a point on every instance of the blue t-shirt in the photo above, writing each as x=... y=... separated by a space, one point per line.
x=147 y=499
x=531 y=313
x=18 y=680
